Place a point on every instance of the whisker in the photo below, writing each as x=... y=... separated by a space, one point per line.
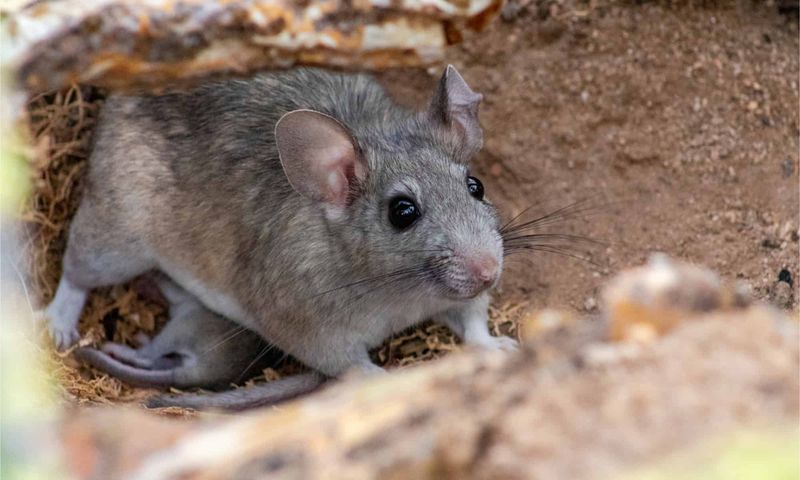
x=517 y=216
x=422 y=250
x=411 y=274
x=407 y=275
x=229 y=335
x=510 y=223
x=396 y=273
x=24 y=285
x=549 y=249
x=267 y=348
x=563 y=213
x=518 y=259
x=554 y=236
x=576 y=210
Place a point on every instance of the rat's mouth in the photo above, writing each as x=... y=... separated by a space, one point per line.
x=457 y=288
x=456 y=283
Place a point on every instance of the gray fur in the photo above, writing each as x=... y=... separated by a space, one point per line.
x=242 y=398
x=191 y=184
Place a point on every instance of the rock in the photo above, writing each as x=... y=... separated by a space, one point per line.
x=510 y=11
x=477 y=415
x=782 y=295
x=590 y=304
x=653 y=299
x=532 y=325
x=125 y=44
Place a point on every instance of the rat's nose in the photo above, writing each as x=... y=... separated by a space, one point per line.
x=483 y=267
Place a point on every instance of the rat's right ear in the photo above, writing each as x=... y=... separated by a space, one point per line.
x=319 y=156
x=456 y=106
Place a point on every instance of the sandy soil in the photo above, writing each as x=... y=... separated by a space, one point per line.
x=680 y=125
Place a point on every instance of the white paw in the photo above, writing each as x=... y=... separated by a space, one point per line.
x=364 y=370
x=63 y=338
x=504 y=344
x=64 y=335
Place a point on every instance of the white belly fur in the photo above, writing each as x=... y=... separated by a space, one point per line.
x=214 y=300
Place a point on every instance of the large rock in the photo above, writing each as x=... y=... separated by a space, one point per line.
x=152 y=43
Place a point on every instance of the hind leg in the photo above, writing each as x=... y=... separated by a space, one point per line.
x=173 y=338
x=98 y=254
x=196 y=348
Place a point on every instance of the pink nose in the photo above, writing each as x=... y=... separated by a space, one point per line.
x=483 y=267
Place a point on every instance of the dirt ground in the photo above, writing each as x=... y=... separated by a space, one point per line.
x=677 y=126
x=680 y=125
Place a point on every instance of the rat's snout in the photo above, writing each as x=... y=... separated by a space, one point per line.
x=472 y=259
x=472 y=271
x=483 y=267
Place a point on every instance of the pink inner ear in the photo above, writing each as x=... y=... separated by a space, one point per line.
x=318 y=156
x=336 y=173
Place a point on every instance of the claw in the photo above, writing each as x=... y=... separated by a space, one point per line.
x=63 y=335
x=63 y=338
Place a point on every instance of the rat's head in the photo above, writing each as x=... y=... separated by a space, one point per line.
x=400 y=194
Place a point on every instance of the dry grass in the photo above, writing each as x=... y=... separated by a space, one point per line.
x=61 y=125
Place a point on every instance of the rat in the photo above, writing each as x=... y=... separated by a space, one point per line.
x=303 y=205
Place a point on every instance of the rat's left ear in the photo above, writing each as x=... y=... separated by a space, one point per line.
x=456 y=106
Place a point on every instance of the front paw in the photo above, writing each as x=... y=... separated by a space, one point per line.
x=502 y=343
x=63 y=334
x=364 y=370
x=63 y=337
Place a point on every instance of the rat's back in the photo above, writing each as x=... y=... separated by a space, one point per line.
x=230 y=124
x=213 y=146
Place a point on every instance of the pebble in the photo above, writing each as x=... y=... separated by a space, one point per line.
x=510 y=11
x=590 y=304
x=787 y=167
x=782 y=295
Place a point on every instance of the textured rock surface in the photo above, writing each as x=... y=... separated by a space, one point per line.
x=152 y=43
x=483 y=416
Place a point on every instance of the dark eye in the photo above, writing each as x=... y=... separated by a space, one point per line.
x=402 y=212
x=475 y=187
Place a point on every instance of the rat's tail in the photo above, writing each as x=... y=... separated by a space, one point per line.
x=245 y=397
